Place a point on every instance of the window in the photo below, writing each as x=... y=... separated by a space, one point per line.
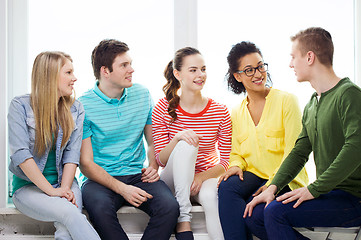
x=76 y=27
x=269 y=24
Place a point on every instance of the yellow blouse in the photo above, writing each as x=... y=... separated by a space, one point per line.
x=261 y=149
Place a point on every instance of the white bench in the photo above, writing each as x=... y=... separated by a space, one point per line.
x=333 y=231
x=15 y=225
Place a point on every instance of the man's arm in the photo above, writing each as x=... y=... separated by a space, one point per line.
x=94 y=172
x=150 y=174
x=290 y=167
x=347 y=162
x=296 y=160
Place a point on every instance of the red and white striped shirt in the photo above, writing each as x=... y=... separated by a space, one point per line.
x=213 y=123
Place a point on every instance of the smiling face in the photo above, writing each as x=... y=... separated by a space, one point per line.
x=192 y=75
x=257 y=82
x=121 y=76
x=66 y=79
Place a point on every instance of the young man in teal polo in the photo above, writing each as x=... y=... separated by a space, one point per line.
x=117 y=117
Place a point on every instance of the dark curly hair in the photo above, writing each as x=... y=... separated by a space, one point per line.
x=234 y=57
x=171 y=87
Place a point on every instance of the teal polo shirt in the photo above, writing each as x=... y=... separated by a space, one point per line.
x=116 y=128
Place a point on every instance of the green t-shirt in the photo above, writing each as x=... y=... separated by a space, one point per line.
x=50 y=172
x=332 y=130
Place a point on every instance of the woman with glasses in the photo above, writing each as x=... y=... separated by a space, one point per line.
x=45 y=135
x=192 y=138
x=264 y=129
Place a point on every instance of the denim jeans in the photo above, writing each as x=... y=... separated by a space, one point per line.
x=233 y=195
x=334 y=209
x=68 y=220
x=102 y=205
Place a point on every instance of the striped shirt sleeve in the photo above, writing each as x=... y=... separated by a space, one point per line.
x=160 y=132
x=224 y=139
x=213 y=123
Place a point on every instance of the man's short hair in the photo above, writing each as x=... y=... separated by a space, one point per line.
x=105 y=53
x=317 y=40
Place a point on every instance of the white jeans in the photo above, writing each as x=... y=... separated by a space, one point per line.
x=178 y=174
x=68 y=220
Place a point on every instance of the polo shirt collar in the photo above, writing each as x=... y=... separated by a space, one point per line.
x=106 y=98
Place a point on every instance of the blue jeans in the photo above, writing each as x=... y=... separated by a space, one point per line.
x=233 y=195
x=334 y=209
x=68 y=220
x=102 y=205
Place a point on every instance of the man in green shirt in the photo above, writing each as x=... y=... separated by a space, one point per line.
x=332 y=130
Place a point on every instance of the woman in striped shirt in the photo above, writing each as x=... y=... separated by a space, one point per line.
x=187 y=130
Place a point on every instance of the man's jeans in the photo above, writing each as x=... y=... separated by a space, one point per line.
x=334 y=209
x=102 y=205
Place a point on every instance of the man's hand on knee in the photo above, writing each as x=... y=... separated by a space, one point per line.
x=299 y=195
x=266 y=196
x=135 y=195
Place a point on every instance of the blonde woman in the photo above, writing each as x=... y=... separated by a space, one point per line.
x=45 y=134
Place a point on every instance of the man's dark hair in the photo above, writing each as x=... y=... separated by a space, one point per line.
x=105 y=53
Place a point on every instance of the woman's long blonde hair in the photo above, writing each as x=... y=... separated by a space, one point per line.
x=50 y=111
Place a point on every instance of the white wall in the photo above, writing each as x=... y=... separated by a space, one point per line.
x=3 y=102
x=17 y=48
x=185 y=24
x=357 y=16
x=13 y=72
x=14 y=56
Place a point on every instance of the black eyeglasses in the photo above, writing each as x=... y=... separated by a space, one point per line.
x=250 y=71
